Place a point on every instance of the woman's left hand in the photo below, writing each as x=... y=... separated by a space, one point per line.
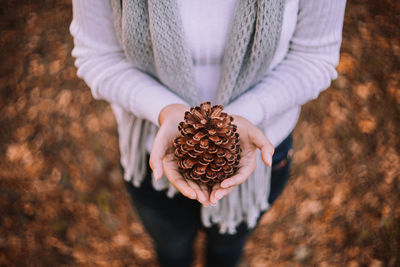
x=251 y=138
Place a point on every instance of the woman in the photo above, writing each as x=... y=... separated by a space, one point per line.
x=152 y=60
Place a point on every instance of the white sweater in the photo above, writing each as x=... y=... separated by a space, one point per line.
x=303 y=65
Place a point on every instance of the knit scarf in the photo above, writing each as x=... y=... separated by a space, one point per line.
x=151 y=34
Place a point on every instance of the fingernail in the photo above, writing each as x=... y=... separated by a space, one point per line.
x=269 y=160
x=156 y=174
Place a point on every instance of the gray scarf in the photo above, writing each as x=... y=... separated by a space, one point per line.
x=152 y=37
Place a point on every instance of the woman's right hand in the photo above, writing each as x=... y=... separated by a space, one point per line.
x=162 y=158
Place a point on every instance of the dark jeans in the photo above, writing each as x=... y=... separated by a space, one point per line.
x=173 y=222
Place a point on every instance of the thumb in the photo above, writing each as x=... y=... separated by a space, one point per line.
x=266 y=154
x=259 y=139
x=156 y=168
x=158 y=150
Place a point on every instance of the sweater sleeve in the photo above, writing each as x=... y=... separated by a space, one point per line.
x=307 y=69
x=101 y=62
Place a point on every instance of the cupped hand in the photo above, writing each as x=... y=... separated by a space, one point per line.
x=162 y=158
x=251 y=138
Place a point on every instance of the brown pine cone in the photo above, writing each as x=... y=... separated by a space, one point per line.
x=208 y=150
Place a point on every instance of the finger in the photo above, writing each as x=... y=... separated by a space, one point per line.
x=213 y=199
x=222 y=192
x=218 y=193
x=206 y=191
x=201 y=197
x=266 y=155
x=158 y=150
x=178 y=181
x=259 y=139
x=243 y=173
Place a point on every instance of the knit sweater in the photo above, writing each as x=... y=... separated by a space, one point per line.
x=303 y=64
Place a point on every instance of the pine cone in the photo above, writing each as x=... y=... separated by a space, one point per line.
x=208 y=150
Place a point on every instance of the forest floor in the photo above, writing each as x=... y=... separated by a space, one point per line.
x=62 y=200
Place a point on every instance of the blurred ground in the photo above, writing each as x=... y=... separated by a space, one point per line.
x=62 y=201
